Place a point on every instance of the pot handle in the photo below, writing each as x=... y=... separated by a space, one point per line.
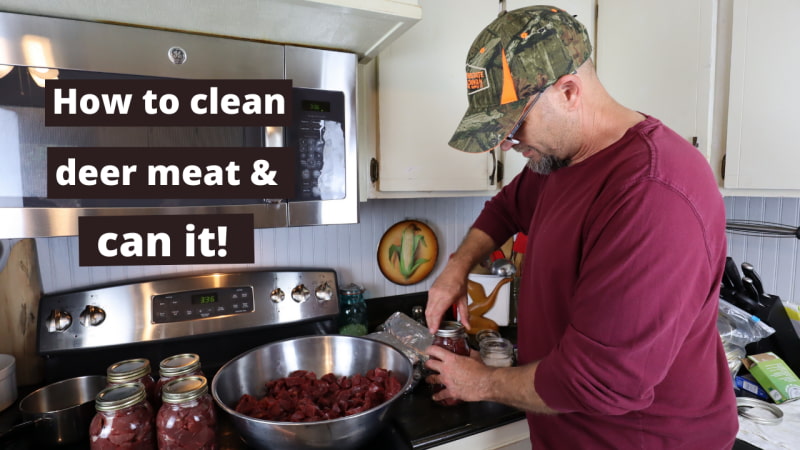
x=20 y=428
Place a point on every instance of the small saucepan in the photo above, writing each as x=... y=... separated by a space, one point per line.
x=60 y=413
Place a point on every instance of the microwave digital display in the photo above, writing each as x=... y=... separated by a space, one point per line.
x=315 y=106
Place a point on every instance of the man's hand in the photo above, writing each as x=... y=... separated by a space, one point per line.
x=449 y=289
x=464 y=377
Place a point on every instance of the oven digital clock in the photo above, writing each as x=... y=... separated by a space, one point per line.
x=197 y=304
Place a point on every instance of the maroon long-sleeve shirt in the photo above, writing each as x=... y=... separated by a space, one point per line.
x=619 y=295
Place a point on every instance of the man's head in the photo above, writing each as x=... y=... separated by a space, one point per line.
x=520 y=53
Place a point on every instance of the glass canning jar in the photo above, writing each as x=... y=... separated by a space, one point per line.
x=451 y=336
x=186 y=419
x=497 y=352
x=352 y=311
x=124 y=419
x=131 y=370
x=173 y=367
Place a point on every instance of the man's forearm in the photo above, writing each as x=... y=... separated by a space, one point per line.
x=514 y=386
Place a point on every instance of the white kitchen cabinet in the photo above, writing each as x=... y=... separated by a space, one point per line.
x=764 y=100
x=658 y=58
x=421 y=97
x=512 y=436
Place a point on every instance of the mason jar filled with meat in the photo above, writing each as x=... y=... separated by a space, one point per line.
x=130 y=371
x=186 y=419
x=451 y=336
x=173 y=367
x=124 y=419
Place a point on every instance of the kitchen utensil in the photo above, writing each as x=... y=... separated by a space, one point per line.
x=751 y=290
x=60 y=413
x=750 y=272
x=503 y=268
x=731 y=277
x=8 y=381
x=341 y=355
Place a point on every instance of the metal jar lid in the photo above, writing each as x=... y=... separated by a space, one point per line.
x=119 y=396
x=128 y=370
x=184 y=389
x=451 y=328
x=351 y=289
x=182 y=364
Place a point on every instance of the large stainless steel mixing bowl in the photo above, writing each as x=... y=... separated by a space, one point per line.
x=341 y=355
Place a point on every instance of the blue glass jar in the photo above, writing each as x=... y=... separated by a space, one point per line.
x=352 y=311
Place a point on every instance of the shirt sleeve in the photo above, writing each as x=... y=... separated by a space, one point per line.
x=644 y=277
x=510 y=211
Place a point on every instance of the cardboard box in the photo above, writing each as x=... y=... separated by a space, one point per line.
x=774 y=376
x=749 y=384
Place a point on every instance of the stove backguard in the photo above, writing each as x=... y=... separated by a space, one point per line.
x=218 y=316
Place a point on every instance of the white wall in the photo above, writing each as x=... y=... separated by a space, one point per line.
x=351 y=249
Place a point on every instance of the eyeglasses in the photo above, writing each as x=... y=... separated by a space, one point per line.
x=510 y=137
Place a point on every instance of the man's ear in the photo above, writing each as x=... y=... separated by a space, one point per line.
x=569 y=88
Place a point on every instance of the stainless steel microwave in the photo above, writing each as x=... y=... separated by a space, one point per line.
x=323 y=129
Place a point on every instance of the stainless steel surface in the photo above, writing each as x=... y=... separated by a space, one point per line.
x=97 y=47
x=363 y=27
x=759 y=411
x=341 y=355
x=130 y=311
x=62 y=411
x=311 y=68
x=503 y=268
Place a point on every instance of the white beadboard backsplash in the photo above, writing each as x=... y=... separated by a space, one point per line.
x=777 y=260
x=351 y=249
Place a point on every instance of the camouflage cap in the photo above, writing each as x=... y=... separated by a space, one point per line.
x=520 y=53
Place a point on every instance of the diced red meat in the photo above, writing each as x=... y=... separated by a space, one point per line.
x=302 y=397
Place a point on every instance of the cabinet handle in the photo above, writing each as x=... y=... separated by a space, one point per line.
x=695 y=142
x=373 y=170
x=494 y=167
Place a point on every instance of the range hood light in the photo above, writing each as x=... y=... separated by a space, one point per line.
x=5 y=70
x=40 y=74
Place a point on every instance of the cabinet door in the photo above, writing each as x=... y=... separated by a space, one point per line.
x=657 y=57
x=764 y=102
x=421 y=99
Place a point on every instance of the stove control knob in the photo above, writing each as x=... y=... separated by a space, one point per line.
x=324 y=292
x=277 y=295
x=58 y=321
x=92 y=316
x=300 y=293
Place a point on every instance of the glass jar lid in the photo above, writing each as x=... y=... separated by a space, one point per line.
x=351 y=289
x=182 y=364
x=496 y=345
x=119 y=396
x=184 y=389
x=450 y=328
x=485 y=334
x=128 y=370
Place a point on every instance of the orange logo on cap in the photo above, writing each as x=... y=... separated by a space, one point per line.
x=509 y=94
x=476 y=80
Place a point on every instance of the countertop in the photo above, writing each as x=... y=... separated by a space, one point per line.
x=417 y=423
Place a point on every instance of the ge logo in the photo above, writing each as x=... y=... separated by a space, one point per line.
x=177 y=55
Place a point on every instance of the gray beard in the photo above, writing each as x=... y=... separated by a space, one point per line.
x=547 y=164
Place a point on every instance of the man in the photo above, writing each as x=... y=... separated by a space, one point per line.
x=617 y=337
